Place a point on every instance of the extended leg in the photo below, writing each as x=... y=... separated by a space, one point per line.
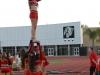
x=34 y=21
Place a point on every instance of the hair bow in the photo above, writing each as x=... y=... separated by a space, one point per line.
x=31 y=54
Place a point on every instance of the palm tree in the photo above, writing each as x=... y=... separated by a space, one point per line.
x=84 y=26
x=92 y=34
x=98 y=34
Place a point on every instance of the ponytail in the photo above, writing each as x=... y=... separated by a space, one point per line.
x=3 y=57
x=31 y=61
x=22 y=54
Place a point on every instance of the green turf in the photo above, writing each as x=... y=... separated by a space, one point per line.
x=57 y=61
x=14 y=64
x=51 y=62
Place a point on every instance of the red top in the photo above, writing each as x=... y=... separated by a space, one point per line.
x=98 y=62
x=0 y=63
x=26 y=63
x=92 y=56
x=36 y=63
x=41 y=57
x=11 y=59
x=45 y=63
x=39 y=49
x=5 y=62
x=39 y=62
x=33 y=2
x=26 y=60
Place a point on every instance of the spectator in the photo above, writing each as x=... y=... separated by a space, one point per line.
x=92 y=60
x=17 y=59
x=97 y=71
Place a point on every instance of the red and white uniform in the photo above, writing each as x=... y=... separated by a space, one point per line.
x=5 y=67
x=11 y=59
x=39 y=61
x=27 y=72
x=33 y=13
x=32 y=2
x=45 y=63
x=98 y=63
x=0 y=63
x=26 y=67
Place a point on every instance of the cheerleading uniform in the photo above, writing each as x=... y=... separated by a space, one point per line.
x=33 y=13
x=45 y=63
x=27 y=72
x=36 y=72
x=5 y=66
x=11 y=59
x=0 y=63
x=38 y=62
x=26 y=67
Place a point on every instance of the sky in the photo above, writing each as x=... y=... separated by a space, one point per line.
x=16 y=12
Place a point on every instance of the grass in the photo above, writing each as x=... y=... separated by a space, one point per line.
x=57 y=61
x=14 y=64
x=50 y=61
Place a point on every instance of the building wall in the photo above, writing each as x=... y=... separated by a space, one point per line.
x=47 y=34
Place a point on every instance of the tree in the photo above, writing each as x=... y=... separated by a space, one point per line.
x=98 y=34
x=84 y=26
x=92 y=34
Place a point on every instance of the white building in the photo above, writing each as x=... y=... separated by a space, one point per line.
x=56 y=39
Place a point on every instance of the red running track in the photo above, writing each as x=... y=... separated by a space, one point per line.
x=73 y=63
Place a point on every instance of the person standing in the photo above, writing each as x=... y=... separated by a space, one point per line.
x=44 y=64
x=5 y=64
x=17 y=59
x=33 y=5
x=97 y=70
x=93 y=59
x=11 y=59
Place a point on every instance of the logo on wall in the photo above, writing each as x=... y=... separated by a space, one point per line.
x=68 y=32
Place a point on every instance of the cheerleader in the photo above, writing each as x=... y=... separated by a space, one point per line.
x=35 y=61
x=44 y=64
x=34 y=64
x=11 y=59
x=5 y=65
x=33 y=4
x=24 y=62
